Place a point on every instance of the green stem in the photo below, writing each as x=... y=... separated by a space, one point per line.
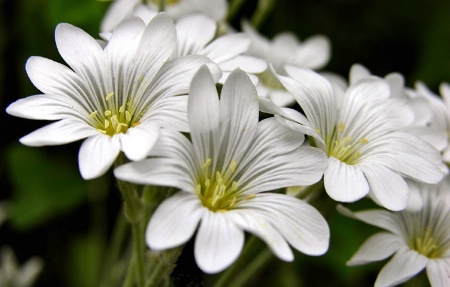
x=165 y=263
x=256 y=264
x=262 y=11
x=233 y=8
x=112 y=257
x=139 y=250
x=129 y=279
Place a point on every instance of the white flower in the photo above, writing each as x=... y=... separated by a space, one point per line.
x=285 y=49
x=418 y=239
x=196 y=35
x=438 y=116
x=430 y=113
x=361 y=133
x=117 y=97
x=221 y=175
x=14 y=275
x=122 y=9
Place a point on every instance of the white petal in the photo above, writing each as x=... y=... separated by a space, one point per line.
x=124 y=42
x=170 y=113
x=407 y=155
x=175 y=76
x=174 y=221
x=343 y=182
x=282 y=98
x=377 y=247
x=117 y=11
x=267 y=168
x=313 y=53
x=285 y=43
x=226 y=47
x=239 y=111
x=438 y=271
x=389 y=188
x=97 y=154
x=380 y=218
x=403 y=266
x=121 y=50
x=357 y=73
x=46 y=107
x=255 y=222
x=204 y=113
x=61 y=132
x=299 y=123
x=157 y=171
x=138 y=141
x=216 y=9
x=246 y=63
x=218 y=243
x=315 y=95
x=144 y=12
x=54 y=78
x=175 y=145
x=194 y=32
x=157 y=43
x=86 y=57
x=298 y=222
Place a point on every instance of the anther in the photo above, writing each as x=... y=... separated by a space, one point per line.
x=109 y=96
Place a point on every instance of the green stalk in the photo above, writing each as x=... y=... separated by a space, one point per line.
x=233 y=8
x=165 y=263
x=262 y=11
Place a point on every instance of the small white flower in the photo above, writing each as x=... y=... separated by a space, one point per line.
x=117 y=97
x=430 y=113
x=13 y=275
x=285 y=49
x=197 y=35
x=122 y=9
x=222 y=175
x=418 y=239
x=362 y=135
x=438 y=117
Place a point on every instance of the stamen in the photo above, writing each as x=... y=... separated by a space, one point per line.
x=363 y=140
x=233 y=166
x=217 y=191
x=207 y=163
x=128 y=116
x=109 y=96
x=250 y=196
x=341 y=127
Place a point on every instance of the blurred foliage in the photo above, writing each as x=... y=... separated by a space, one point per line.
x=66 y=219
x=44 y=186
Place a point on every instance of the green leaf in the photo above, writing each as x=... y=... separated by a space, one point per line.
x=44 y=186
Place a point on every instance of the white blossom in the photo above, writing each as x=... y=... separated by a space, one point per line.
x=117 y=97
x=222 y=175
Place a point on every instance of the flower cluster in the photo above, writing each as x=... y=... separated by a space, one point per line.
x=200 y=108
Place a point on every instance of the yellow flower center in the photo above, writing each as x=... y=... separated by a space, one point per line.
x=344 y=148
x=270 y=81
x=217 y=190
x=426 y=244
x=113 y=120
